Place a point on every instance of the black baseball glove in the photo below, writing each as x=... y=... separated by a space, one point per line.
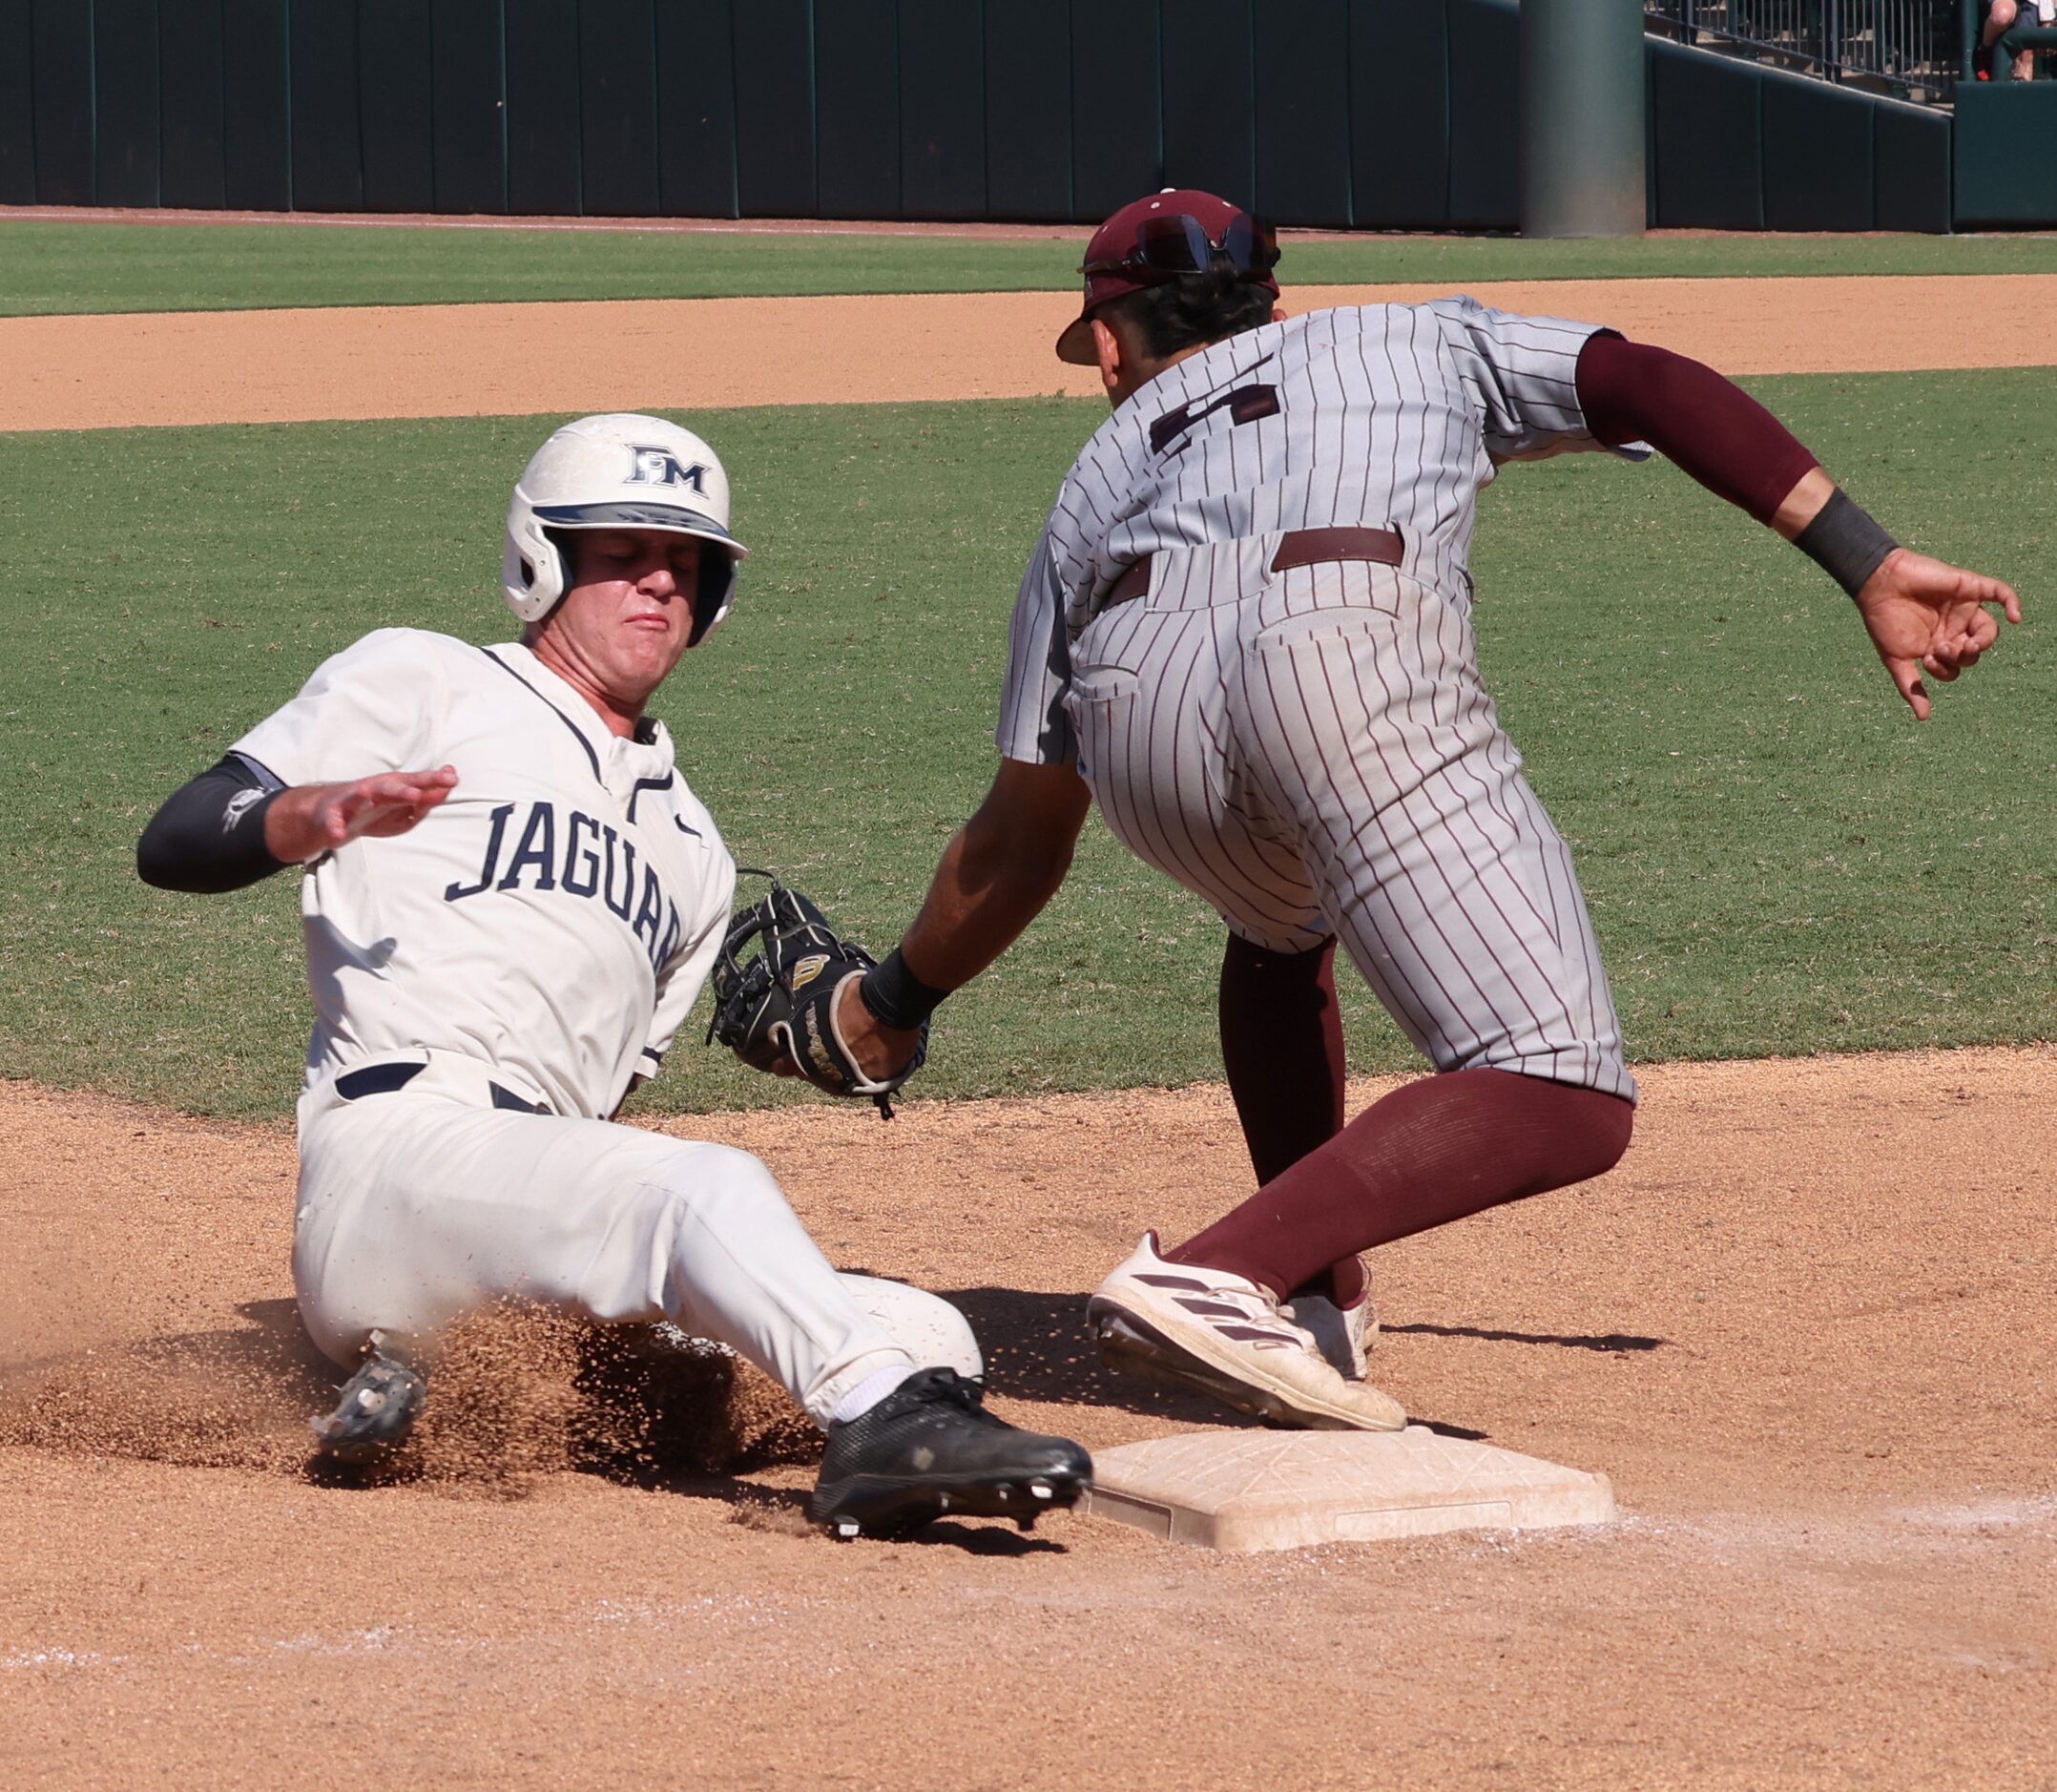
x=776 y=1008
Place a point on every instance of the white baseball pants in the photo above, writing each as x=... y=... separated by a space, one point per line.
x=422 y=1204
x=1315 y=752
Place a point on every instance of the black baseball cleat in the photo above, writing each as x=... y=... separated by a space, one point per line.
x=375 y=1411
x=930 y=1448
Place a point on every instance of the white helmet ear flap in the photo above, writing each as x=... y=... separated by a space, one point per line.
x=532 y=571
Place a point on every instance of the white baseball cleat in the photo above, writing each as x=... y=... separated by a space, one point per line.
x=1218 y=1332
x=1343 y=1334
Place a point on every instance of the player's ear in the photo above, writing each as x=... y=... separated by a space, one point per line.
x=1279 y=314
x=1108 y=351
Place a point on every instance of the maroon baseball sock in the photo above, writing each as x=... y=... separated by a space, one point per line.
x=1281 y=1045
x=1429 y=1153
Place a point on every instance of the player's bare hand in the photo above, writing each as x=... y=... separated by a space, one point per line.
x=879 y=1051
x=310 y=820
x=1928 y=616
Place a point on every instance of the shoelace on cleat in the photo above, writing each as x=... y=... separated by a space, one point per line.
x=963 y=1396
x=960 y=1393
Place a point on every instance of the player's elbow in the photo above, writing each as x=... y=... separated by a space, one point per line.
x=165 y=865
x=159 y=860
x=194 y=844
x=1026 y=863
x=1024 y=833
x=1044 y=866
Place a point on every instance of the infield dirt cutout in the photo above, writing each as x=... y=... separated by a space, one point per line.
x=687 y=354
x=1807 y=1330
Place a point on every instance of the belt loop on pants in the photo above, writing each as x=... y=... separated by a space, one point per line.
x=1296 y=547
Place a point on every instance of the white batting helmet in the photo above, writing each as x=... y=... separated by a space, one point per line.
x=619 y=471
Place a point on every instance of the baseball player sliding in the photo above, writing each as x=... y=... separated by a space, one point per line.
x=512 y=899
x=1246 y=633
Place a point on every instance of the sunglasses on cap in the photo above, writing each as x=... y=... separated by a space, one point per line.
x=1178 y=243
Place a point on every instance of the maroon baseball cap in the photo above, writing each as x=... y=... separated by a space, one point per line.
x=1158 y=238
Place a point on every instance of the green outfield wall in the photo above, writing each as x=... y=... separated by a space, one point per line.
x=2005 y=173
x=1366 y=113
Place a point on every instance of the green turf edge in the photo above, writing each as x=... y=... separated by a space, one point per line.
x=50 y=267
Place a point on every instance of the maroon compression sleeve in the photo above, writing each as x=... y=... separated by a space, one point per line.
x=1281 y=1045
x=1714 y=429
x=1433 y=1151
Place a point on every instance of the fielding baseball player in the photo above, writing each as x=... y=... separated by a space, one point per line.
x=1246 y=633
x=511 y=898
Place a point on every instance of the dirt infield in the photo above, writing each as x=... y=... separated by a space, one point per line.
x=1807 y=1328
x=485 y=360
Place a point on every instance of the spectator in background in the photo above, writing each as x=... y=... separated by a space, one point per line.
x=1999 y=19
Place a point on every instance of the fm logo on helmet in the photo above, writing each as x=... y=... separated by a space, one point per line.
x=660 y=467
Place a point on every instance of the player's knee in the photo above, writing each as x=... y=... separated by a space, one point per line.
x=1607 y=1124
x=2004 y=14
x=704 y=1173
x=695 y=1189
x=925 y=1325
x=339 y=1338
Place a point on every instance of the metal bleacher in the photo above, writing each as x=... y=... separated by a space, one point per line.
x=1902 y=49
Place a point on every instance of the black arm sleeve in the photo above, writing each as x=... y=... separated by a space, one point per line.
x=209 y=835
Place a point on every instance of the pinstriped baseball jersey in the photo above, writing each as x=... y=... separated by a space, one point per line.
x=1313 y=751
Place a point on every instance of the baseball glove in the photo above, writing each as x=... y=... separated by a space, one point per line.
x=776 y=1008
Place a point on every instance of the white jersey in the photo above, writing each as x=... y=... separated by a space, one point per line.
x=553 y=919
x=541 y=934
x=1375 y=416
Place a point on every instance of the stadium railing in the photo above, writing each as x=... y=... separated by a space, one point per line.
x=1901 y=47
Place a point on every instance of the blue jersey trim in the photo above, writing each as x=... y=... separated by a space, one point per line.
x=647 y=783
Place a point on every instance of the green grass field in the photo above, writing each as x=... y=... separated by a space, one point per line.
x=50 y=267
x=1777 y=858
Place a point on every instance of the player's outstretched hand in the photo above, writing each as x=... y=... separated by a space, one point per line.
x=1928 y=616
x=309 y=820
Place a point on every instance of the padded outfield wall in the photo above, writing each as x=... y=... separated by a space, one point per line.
x=1371 y=113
